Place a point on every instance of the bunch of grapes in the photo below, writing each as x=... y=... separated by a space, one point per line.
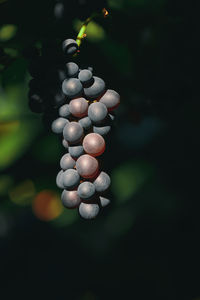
x=84 y=121
x=46 y=68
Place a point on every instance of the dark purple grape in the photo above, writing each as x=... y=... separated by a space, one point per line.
x=72 y=87
x=70 y=47
x=70 y=199
x=76 y=151
x=96 y=89
x=64 y=111
x=85 y=76
x=59 y=180
x=73 y=132
x=58 y=125
x=97 y=112
x=70 y=178
x=86 y=190
x=88 y=210
x=72 y=69
x=103 y=130
x=36 y=103
x=111 y=99
x=67 y=162
x=85 y=123
x=102 y=182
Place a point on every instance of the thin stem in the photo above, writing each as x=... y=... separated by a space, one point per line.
x=81 y=35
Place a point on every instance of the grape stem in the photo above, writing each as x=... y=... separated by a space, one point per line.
x=81 y=35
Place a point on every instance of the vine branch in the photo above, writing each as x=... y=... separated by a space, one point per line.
x=81 y=35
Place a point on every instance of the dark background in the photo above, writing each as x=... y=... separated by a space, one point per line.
x=146 y=244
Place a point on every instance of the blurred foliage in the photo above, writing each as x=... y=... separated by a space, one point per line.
x=145 y=245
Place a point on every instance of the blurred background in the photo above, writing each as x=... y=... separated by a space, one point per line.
x=146 y=244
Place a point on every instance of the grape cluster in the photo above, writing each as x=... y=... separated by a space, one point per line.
x=84 y=121
x=46 y=68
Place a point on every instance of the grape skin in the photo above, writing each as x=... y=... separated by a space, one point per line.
x=76 y=151
x=73 y=132
x=64 y=111
x=97 y=112
x=65 y=144
x=58 y=125
x=59 y=180
x=86 y=190
x=85 y=123
x=67 y=162
x=36 y=103
x=102 y=182
x=72 y=69
x=72 y=87
x=71 y=179
x=111 y=99
x=88 y=210
x=70 y=199
x=104 y=201
x=78 y=107
x=85 y=76
x=96 y=89
x=94 y=144
x=103 y=130
x=70 y=46
x=87 y=166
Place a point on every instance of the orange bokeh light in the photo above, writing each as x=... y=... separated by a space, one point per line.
x=47 y=205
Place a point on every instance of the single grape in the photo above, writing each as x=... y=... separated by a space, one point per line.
x=88 y=210
x=36 y=103
x=85 y=123
x=71 y=179
x=87 y=166
x=58 y=125
x=111 y=99
x=73 y=132
x=96 y=89
x=70 y=199
x=65 y=144
x=85 y=76
x=58 y=99
x=70 y=46
x=64 y=111
x=67 y=162
x=103 y=130
x=104 y=201
x=97 y=112
x=94 y=144
x=86 y=190
x=102 y=182
x=76 y=151
x=59 y=180
x=61 y=75
x=72 y=69
x=78 y=107
x=72 y=87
